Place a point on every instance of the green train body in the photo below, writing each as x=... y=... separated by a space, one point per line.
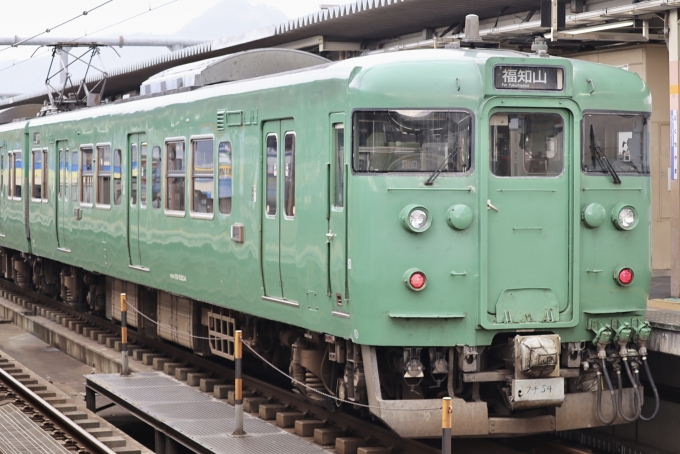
x=522 y=238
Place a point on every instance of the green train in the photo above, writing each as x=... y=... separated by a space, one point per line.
x=390 y=229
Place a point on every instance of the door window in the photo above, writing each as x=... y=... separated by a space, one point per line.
x=289 y=175
x=224 y=158
x=339 y=176
x=527 y=144
x=133 y=176
x=272 y=164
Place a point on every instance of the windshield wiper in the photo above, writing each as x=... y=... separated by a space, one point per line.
x=440 y=169
x=602 y=157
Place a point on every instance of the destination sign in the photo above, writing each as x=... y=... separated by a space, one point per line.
x=549 y=78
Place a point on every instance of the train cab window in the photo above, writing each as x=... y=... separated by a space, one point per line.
x=272 y=180
x=289 y=175
x=36 y=175
x=74 y=175
x=202 y=176
x=620 y=139
x=142 y=175
x=86 y=176
x=339 y=175
x=527 y=144
x=411 y=141
x=224 y=184
x=176 y=174
x=104 y=175
x=117 y=178
x=156 y=176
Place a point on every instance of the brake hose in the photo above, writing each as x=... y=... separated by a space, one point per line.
x=656 y=392
x=599 y=396
x=636 y=397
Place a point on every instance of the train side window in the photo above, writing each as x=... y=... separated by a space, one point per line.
x=133 y=176
x=224 y=184
x=202 y=177
x=45 y=175
x=156 y=177
x=272 y=179
x=117 y=177
x=142 y=175
x=10 y=175
x=36 y=175
x=289 y=175
x=339 y=175
x=104 y=175
x=86 y=176
x=18 y=175
x=176 y=174
x=74 y=176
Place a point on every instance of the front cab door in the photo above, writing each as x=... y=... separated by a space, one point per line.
x=528 y=213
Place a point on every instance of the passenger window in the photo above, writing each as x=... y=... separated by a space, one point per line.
x=527 y=144
x=176 y=173
x=74 y=176
x=224 y=158
x=142 y=175
x=104 y=175
x=86 y=176
x=37 y=172
x=18 y=175
x=272 y=163
x=10 y=176
x=289 y=175
x=117 y=181
x=339 y=174
x=156 y=176
x=45 y=175
x=133 y=174
x=203 y=176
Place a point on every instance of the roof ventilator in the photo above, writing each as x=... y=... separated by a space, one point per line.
x=472 y=39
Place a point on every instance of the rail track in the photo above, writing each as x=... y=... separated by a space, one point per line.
x=347 y=424
x=61 y=434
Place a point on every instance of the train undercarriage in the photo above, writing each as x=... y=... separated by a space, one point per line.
x=521 y=384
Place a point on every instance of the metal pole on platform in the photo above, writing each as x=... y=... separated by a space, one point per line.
x=447 y=412
x=238 y=383
x=124 y=334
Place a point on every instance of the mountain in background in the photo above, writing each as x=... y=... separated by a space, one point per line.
x=227 y=18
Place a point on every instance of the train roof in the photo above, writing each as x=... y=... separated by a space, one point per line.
x=340 y=70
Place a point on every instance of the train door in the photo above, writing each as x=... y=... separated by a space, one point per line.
x=136 y=200
x=528 y=216
x=271 y=217
x=64 y=209
x=337 y=239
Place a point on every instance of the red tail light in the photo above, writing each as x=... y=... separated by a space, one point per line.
x=417 y=280
x=626 y=276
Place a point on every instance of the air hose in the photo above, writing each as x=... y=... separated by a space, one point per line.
x=656 y=392
x=599 y=396
x=636 y=397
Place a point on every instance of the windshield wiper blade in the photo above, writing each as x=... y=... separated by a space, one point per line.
x=440 y=169
x=602 y=157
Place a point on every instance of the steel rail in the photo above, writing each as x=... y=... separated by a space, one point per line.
x=358 y=426
x=71 y=428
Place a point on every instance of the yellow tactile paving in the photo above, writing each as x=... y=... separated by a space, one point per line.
x=664 y=304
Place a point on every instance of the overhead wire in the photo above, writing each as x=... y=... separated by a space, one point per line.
x=88 y=34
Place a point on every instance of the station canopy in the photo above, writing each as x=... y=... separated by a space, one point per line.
x=370 y=26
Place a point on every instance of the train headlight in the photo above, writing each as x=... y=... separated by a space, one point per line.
x=415 y=218
x=625 y=217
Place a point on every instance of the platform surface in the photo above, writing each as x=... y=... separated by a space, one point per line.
x=196 y=415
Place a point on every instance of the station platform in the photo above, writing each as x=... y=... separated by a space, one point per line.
x=663 y=314
x=192 y=418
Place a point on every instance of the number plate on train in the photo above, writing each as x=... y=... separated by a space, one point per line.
x=538 y=389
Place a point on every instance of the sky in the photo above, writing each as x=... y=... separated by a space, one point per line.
x=113 y=18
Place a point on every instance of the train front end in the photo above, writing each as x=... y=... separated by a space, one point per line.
x=498 y=228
